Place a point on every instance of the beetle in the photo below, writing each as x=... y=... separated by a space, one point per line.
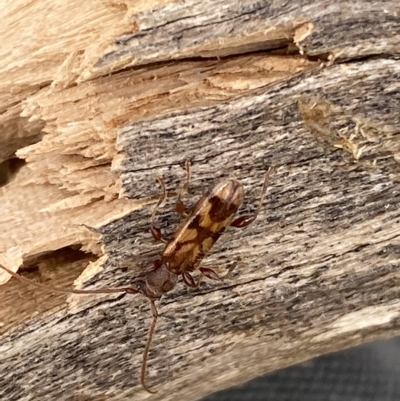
x=184 y=252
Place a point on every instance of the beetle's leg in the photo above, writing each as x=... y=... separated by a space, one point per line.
x=180 y=207
x=206 y=272
x=189 y=280
x=245 y=220
x=213 y=275
x=155 y=230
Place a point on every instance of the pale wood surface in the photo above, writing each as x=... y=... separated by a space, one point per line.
x=310 y=88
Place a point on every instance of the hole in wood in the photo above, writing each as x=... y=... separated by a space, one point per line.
x=59 y=267
x=9 y=169
x=21 y=302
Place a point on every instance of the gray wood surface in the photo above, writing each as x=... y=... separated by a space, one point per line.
x=318 y=269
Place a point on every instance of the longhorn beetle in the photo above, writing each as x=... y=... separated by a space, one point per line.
x=182 y=254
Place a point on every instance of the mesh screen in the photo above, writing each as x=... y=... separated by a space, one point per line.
x=367 y=373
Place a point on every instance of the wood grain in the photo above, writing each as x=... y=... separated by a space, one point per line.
x=97 y=106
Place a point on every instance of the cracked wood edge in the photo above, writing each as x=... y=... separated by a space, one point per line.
x=179 y=30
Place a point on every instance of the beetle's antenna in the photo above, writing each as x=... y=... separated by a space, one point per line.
x=69 y=290
x=161 y=199
x=147 y=347
x=155 y=230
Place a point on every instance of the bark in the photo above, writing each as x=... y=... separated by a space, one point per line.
x=97 y=101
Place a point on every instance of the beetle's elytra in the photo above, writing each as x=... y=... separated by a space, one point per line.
x=183 y=253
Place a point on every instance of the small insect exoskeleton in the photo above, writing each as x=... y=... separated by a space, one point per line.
x=183 y=253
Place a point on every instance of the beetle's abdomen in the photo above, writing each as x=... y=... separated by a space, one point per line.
x=204 y=225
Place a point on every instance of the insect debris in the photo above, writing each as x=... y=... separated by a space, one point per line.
x=183 y=253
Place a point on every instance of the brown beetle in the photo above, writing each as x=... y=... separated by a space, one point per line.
x=182 y=254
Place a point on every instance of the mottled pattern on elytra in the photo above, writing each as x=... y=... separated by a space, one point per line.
x=204 y=225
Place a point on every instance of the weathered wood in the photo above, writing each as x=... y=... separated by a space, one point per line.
x=310 y=88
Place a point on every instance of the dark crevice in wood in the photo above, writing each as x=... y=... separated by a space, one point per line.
x=20 y=135
x=368 y=57
x=44 y=262
x=282 y=50
x=322 y=57
x=57 y=268
x=9 y=169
